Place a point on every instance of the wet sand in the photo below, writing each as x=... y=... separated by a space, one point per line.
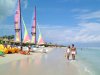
x=53 y=63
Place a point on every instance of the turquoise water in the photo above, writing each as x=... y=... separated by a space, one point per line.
x=89 y=59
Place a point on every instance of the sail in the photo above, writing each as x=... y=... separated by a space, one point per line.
x=34 y=29
x=40 y=39
x=17 y=22
x=26 y=36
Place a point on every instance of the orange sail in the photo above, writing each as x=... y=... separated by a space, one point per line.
x=17 y=22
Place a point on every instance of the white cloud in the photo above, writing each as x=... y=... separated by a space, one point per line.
x=77 y=10
x=90 y=26
x=7 y=8
x=51 y=27
x=89 y=15
x=84 y=33
x=87 y=32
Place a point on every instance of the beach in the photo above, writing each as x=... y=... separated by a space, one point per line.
x=17 y=56
x=49 y=37
x=51 y=63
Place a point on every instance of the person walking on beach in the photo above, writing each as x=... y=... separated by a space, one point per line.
x=68 y=52
x=73 y=51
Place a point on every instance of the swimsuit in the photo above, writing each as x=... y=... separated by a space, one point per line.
x=68 y=50
x=73 y=52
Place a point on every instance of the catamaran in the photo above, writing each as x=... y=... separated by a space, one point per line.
x=33 y=33
x=26 y=39
x=34 y=27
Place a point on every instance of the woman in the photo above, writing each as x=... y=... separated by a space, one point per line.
x=68 y=52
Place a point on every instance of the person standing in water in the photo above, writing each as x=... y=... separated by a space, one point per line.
x=73 y=51
x=68 y=52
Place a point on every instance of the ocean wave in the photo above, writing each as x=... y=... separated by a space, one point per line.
x=82 y=67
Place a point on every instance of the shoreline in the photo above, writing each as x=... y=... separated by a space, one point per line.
x=71 y=67
x=83 y=66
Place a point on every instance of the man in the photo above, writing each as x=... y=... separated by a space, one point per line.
x=73 y=51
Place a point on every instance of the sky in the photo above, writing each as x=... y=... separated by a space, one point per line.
x=60 y=21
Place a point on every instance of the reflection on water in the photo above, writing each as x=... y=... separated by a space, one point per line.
x=13 y=64
x=45 y=56
x=37 y=60
x=25 y=63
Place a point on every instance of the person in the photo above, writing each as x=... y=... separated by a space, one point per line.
x=26 y=52
x=73 y=51
x=68 y=52
x=29 y=49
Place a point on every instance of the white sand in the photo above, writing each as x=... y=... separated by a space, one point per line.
x=50 y=64
x=17 y=56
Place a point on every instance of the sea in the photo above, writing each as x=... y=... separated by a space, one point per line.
x=88 y=59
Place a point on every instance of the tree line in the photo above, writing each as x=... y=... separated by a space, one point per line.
x=6 y=38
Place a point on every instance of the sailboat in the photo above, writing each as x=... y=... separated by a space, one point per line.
x=34 y=27
x=40 y=40
x=18 y=29
x=26 y=39
x=34 y=41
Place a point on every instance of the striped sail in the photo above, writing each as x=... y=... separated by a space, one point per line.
x=34 y=29
x=17 y=22
x=26 y=36
x=40 y=39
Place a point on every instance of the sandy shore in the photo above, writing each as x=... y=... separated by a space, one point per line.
x=17 y=56
x=51 y=63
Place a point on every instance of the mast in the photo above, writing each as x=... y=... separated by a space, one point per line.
x=34 y=28
x=35 y=24
x=20 y=25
